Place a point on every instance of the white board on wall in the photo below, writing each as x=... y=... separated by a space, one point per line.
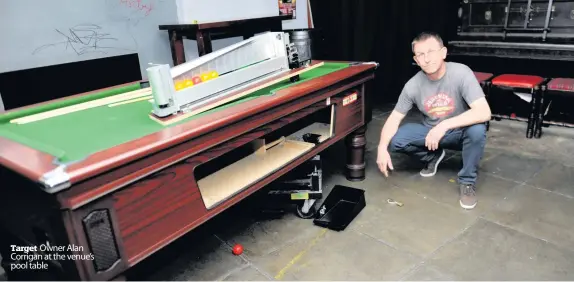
x=37 y=33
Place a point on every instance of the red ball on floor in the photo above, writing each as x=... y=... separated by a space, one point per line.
x=237 y=249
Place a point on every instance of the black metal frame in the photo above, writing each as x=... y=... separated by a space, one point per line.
x=525 y=27
x=504 y=31
x=541 y=109
x=540 y=32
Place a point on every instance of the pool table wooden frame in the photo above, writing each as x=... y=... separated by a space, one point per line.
x=128 y=195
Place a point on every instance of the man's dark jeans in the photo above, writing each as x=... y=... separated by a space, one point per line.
x=410 y=140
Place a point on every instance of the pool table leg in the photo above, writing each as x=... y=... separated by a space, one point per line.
x=356 y=143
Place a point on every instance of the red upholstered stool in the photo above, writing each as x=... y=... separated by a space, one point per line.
x=554 y=105
x=565 y=85
x=484 y=79
x=514 y=97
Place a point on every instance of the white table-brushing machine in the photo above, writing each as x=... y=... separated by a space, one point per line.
x=238 y=66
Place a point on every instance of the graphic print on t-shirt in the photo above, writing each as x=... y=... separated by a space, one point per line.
x=439 y=105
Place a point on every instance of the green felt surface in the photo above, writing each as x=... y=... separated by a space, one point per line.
x=75 y=136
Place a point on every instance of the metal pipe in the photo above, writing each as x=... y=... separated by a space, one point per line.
x=513 y=44
x=501 y=34
x=547 y=20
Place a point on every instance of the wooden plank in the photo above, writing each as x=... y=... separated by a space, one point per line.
x=150 y=98
x=243 y=173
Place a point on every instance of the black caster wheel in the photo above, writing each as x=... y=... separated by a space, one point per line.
x=305 y=215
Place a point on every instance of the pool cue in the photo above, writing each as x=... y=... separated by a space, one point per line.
x=130 y=101
x=275 y=143
x=83 y=106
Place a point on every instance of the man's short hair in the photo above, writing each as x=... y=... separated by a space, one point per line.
x=426 y=35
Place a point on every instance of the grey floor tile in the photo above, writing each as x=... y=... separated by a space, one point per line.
x=419 y=227
x=331 y=255
x=248 y=273
x=512 y=166
x=488 y=251
x=510 y=137
x=558 y=144
x=426 y=273
x=490 y=190
x=206 y=259
x=539 y=213
x=555 y=177
x=265 y=236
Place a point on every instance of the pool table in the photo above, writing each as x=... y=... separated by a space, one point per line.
x=114 y=186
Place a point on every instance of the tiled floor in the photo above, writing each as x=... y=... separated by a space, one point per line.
x=522 y=228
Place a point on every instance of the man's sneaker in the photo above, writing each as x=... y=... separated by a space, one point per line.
x=467 y=196
x=432 y=166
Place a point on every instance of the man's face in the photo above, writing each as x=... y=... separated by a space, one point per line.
x=429 y=55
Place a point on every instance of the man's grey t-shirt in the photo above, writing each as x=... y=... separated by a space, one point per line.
x=441 y=99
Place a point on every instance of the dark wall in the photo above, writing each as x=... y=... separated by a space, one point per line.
x=382 y=31
x=30 y=86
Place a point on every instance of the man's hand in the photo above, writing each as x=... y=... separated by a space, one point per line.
x=384 y=161
x=434 y=136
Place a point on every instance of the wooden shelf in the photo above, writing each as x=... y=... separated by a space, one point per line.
x=227 y=175
x=234 y=178
x=323 y=129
